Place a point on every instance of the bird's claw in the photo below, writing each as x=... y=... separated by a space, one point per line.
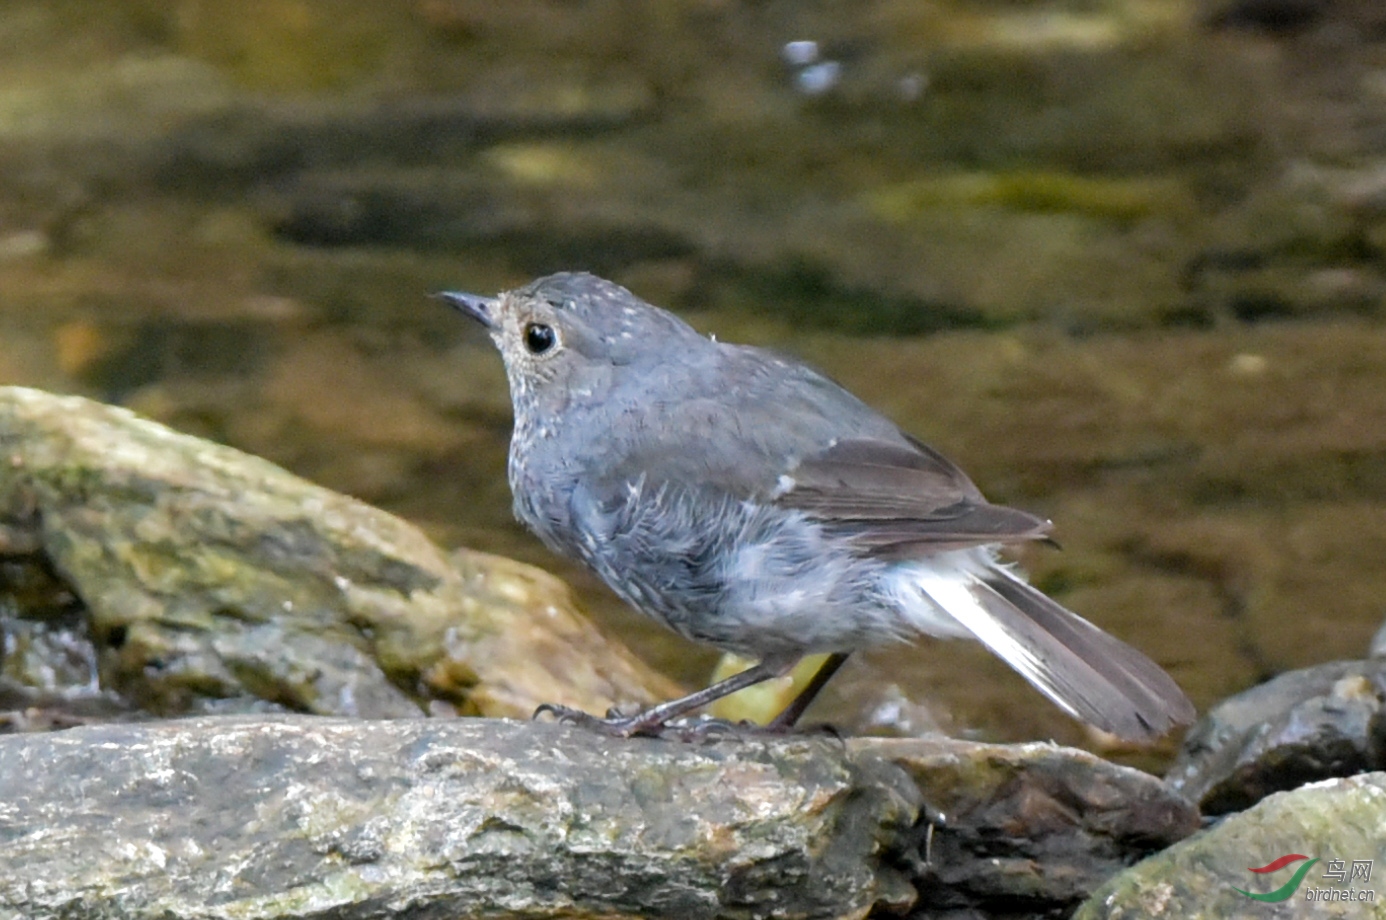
x=558 y=712
x=614 y=725
x=621 y=725
x=617 y=724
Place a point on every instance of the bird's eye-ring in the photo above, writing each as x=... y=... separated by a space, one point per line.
x=539 y=338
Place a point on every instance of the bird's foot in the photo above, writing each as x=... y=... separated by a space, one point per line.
x=615 y=725
x=646 y=724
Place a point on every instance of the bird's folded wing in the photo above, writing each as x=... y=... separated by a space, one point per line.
x=899 y=500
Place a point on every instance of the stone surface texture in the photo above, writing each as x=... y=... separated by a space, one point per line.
x=287 y=817
x=1305 y=725
x=189 y=577
x=1337 y=819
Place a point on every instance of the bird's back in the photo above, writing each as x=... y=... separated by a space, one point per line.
x=731 y=417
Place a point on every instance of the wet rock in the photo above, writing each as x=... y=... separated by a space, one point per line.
x=297 y=818
x=1336 y=823
x=1028 y=828
x=291 y=816
x=1303 y=726
x=189 y=577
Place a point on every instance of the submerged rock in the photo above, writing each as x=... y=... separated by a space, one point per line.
x=170 y=575
x=1331 y=831
x=296 y=817
x=1305 y=725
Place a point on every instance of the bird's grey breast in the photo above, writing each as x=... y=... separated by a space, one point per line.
x=545 y=465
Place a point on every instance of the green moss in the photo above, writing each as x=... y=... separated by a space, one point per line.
x=1115 y=199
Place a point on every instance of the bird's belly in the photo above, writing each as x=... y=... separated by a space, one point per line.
x=746 y=577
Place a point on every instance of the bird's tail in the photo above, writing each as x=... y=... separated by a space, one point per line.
x=1089 y=674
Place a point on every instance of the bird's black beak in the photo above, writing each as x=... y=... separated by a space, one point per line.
x=481 y=309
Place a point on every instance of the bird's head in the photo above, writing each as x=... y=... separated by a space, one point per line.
x=572 y=336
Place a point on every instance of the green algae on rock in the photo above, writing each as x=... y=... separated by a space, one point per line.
x=215 y=581
x=1339 y=819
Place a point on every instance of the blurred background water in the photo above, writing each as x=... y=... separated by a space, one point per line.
x=1121 y=259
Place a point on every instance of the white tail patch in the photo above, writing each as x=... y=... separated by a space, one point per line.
x=1086 y=672
x=942 y=596
x=933 y=593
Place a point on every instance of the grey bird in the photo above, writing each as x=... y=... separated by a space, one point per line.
x=746 y=501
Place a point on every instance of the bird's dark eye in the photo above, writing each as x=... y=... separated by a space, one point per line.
x=539 y=338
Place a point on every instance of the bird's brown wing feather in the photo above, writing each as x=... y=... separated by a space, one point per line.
x=901 y=500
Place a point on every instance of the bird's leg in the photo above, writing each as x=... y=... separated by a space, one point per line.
x=652 y=720
x=786 y=719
